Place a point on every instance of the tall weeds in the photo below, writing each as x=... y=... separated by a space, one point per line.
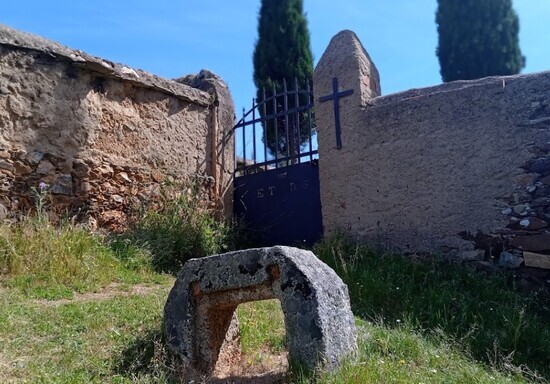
x=57 y=259
x=35 y=253
x=177 y=230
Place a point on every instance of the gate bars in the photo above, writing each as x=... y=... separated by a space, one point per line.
x=276 y=116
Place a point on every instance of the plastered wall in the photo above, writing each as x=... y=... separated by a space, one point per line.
x=452 y=168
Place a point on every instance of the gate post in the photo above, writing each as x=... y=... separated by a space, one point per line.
x=219 y=141
x=345 y=79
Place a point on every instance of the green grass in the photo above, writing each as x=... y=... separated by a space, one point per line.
x=175 y=231
x=54 y=260
x=403 y=355
x=119 y=340
x=485 y=315
x=397 y=353
x=78 y=342
x=261 y=325
x=93 y=338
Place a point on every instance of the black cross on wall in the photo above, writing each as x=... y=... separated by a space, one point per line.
x=335 y=96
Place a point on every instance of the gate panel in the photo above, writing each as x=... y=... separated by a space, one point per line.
x=282 y=206
x=276 y=186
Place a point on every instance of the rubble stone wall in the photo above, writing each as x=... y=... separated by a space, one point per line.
x=103 y=137
x=461 y=168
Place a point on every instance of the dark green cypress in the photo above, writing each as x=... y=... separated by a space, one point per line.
x=477 y=38
x=282 y=52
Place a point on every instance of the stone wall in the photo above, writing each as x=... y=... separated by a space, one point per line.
x=105 y=138
x=462 y=168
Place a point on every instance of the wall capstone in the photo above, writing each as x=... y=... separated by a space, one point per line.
x=347 y=59
x=19 y=40
x=320 y=328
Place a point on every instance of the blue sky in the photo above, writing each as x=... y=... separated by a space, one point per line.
x=172 y=38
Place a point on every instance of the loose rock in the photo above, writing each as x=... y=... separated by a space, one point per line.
x=537 y=260
x=534 y=243
x=63 y=185
x=474 y=255
x=3 y=212
x=533 y=223
x=508 y=260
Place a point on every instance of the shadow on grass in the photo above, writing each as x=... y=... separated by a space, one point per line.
x=268 y=378
x=147 y=357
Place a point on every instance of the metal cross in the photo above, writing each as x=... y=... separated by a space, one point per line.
x=335 y=96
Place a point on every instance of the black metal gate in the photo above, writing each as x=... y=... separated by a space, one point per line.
x=276 y=188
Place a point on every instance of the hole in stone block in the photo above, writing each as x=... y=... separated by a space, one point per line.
x=262 y=343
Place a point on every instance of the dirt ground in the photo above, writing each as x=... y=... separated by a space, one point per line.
x=233 y=368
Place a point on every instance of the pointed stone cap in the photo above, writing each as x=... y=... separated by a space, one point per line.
x=347 y=59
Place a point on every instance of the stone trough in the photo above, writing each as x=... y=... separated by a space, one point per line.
x=320 y=328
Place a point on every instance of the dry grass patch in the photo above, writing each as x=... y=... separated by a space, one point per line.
x=109 y=292
x=6 y=371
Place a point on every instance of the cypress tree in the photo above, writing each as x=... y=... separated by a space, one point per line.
x=477 y=38
x=282 y=52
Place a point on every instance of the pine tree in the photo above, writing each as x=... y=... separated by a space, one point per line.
x=282 y=52
x=477 y=38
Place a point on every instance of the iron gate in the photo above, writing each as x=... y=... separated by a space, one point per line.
x=276 y=185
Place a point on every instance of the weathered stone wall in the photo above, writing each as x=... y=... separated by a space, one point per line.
x=449 y=168
x=104 y=137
